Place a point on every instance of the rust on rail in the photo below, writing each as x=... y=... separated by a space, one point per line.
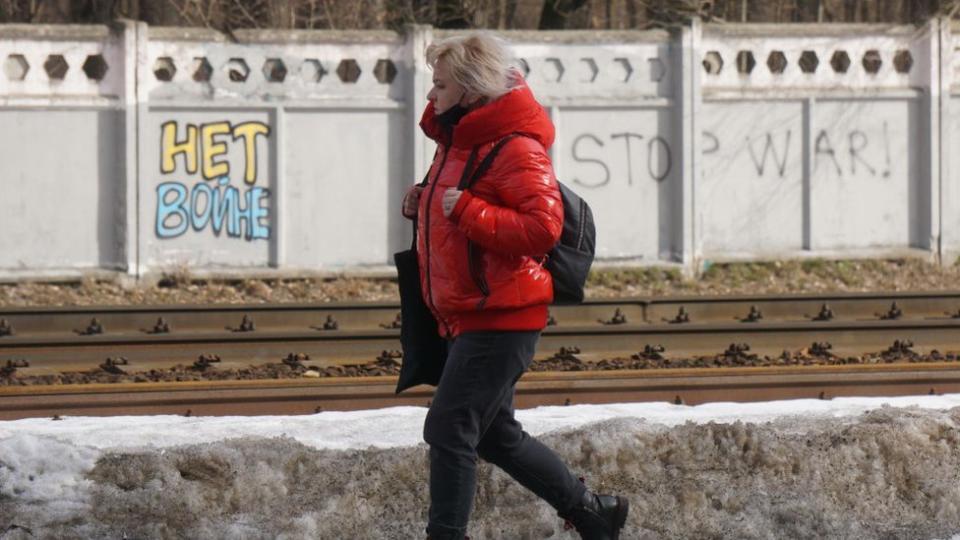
x=306 y=396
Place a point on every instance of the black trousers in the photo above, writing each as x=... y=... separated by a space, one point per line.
x=472 y=415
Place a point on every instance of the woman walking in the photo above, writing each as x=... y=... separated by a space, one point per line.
x=481 y=255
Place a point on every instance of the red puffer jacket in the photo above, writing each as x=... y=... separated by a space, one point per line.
x=481 y=268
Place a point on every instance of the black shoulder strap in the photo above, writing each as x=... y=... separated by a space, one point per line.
x=469 y=179
x=426 y=175
x=423 y=183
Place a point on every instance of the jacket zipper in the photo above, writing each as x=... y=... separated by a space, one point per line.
x=426 y=240
x=583 y=224
x=476 y=272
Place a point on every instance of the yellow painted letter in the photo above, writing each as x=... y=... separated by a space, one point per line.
x=170 y=147
x=249 y=131
x=211 y=150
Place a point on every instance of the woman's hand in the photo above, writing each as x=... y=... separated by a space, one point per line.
x=411 y=201
x=449 y=202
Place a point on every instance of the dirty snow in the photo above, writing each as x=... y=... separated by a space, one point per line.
x=846 y=468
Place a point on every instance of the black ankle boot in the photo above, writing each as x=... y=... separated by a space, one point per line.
x=598 y=517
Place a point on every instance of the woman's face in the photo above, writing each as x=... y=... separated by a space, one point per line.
x=445 y=92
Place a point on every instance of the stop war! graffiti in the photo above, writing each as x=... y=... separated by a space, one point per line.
x=212 y=201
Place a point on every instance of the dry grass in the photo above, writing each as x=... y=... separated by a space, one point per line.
x=808 y=276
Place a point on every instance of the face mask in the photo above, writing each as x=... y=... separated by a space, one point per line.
x=452 y=116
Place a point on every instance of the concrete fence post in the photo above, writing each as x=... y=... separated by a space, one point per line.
x=134 y=37
x=948 y=247
x=689 y=99
x=933 y=181
x=140 y=60
x=418 y=36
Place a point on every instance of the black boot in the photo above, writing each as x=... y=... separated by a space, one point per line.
x=598 y=517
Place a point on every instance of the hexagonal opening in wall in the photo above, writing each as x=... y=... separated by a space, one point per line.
x=202 y=70
x=808 y=61
x=872 y=61
x=524 y=67
x=592 y=70
x=16 y=67
x=553 y=69
x=777 y=62
x=312 y=71
x=902 y=61
x=274 y=70
x=348 y=70
x=164 y=69
x=745 y=62
x=385 y=71
x=237 y=69
x=712 y=63
x=840 y=61
x=625 y=69
x=95 y=67
x=56 y=67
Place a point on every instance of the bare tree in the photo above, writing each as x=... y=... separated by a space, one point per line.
x=227 y=15
x=555 y=13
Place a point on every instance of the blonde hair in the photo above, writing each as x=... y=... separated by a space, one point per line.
x=480 y=63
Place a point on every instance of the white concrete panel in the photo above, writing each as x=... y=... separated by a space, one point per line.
x=625 y=164
x=55 y=68
x=61 y=176
x=597 y=71
x=951 y=183
x=821 y=57
x=800 y=153
x=864 y=182
x=200 y=69
x=751 y=196
x=341 y=191
x=223 y=212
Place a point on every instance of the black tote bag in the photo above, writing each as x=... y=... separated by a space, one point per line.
x=424 y=350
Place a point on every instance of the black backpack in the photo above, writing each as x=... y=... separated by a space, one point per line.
x=569 y=261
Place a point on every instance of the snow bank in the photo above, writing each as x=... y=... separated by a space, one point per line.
x=802 y=469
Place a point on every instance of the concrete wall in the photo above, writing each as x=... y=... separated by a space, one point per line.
x=139 y=149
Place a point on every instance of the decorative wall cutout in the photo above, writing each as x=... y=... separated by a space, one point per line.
x=274 y=70
x=164 y=69
x=202 y=70
x=745 y=62
x=312 y=71
x=872 y=61
x=808 y=62
x=385 y=71
x=16 y=67
x=592 y=70
x=712 y=63
x=95 y=67
x=902 y=61
x=524 y=67
x=777 y=62
x=56 y=67
x=349 y=71
x=625 y=70
x=553 y=69
x=840 y=61
x=237 y=69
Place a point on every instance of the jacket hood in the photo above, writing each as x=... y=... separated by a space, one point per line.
x=517 y=111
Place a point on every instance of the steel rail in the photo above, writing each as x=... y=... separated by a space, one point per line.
x=46 y=354
x=376 y=315
x=285 y=397
x=54 y=340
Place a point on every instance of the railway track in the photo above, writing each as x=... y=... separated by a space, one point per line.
x=774 y=335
